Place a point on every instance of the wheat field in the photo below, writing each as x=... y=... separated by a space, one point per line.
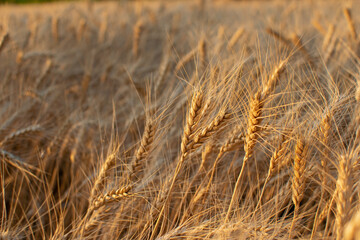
x=180 y=120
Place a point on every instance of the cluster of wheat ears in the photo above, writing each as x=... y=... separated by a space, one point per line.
x=180 y=120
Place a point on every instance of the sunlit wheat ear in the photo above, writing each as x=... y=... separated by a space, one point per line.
x=219 y=39
x=19 y=57
x=45 y=71
x=324 y=130
x=109 y=197
x=330 y=50
x=278 y=36
x=318 y=26
x=137 y=32
x=163 y=70
x=350 y=22
x=298 y=179
x=184 y=60
x=202 y=54
x=21 y=132
x=104 y=171
x=329 y=35
x=343 y=196
x=277 y=162
x=273 y=79
x=253 y=126
x=103 y=28
x=55 y=28
x=17 y=162
x=4 y=41
x=235 y=38
x=80 y=30
x=298 y=43
x=237 y=138
x=193 y=113
x=143 y=150
x=352 y=228
x=210 y=129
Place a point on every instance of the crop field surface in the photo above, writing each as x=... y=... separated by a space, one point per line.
x=180 y=120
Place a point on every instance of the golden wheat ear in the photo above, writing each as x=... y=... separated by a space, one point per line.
x=137 y=33
x=352 y=228
x=4 y=41
x=298 y=179
x=142 y=152
x=109 y=197
x=350 y=22
x=343 y=196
